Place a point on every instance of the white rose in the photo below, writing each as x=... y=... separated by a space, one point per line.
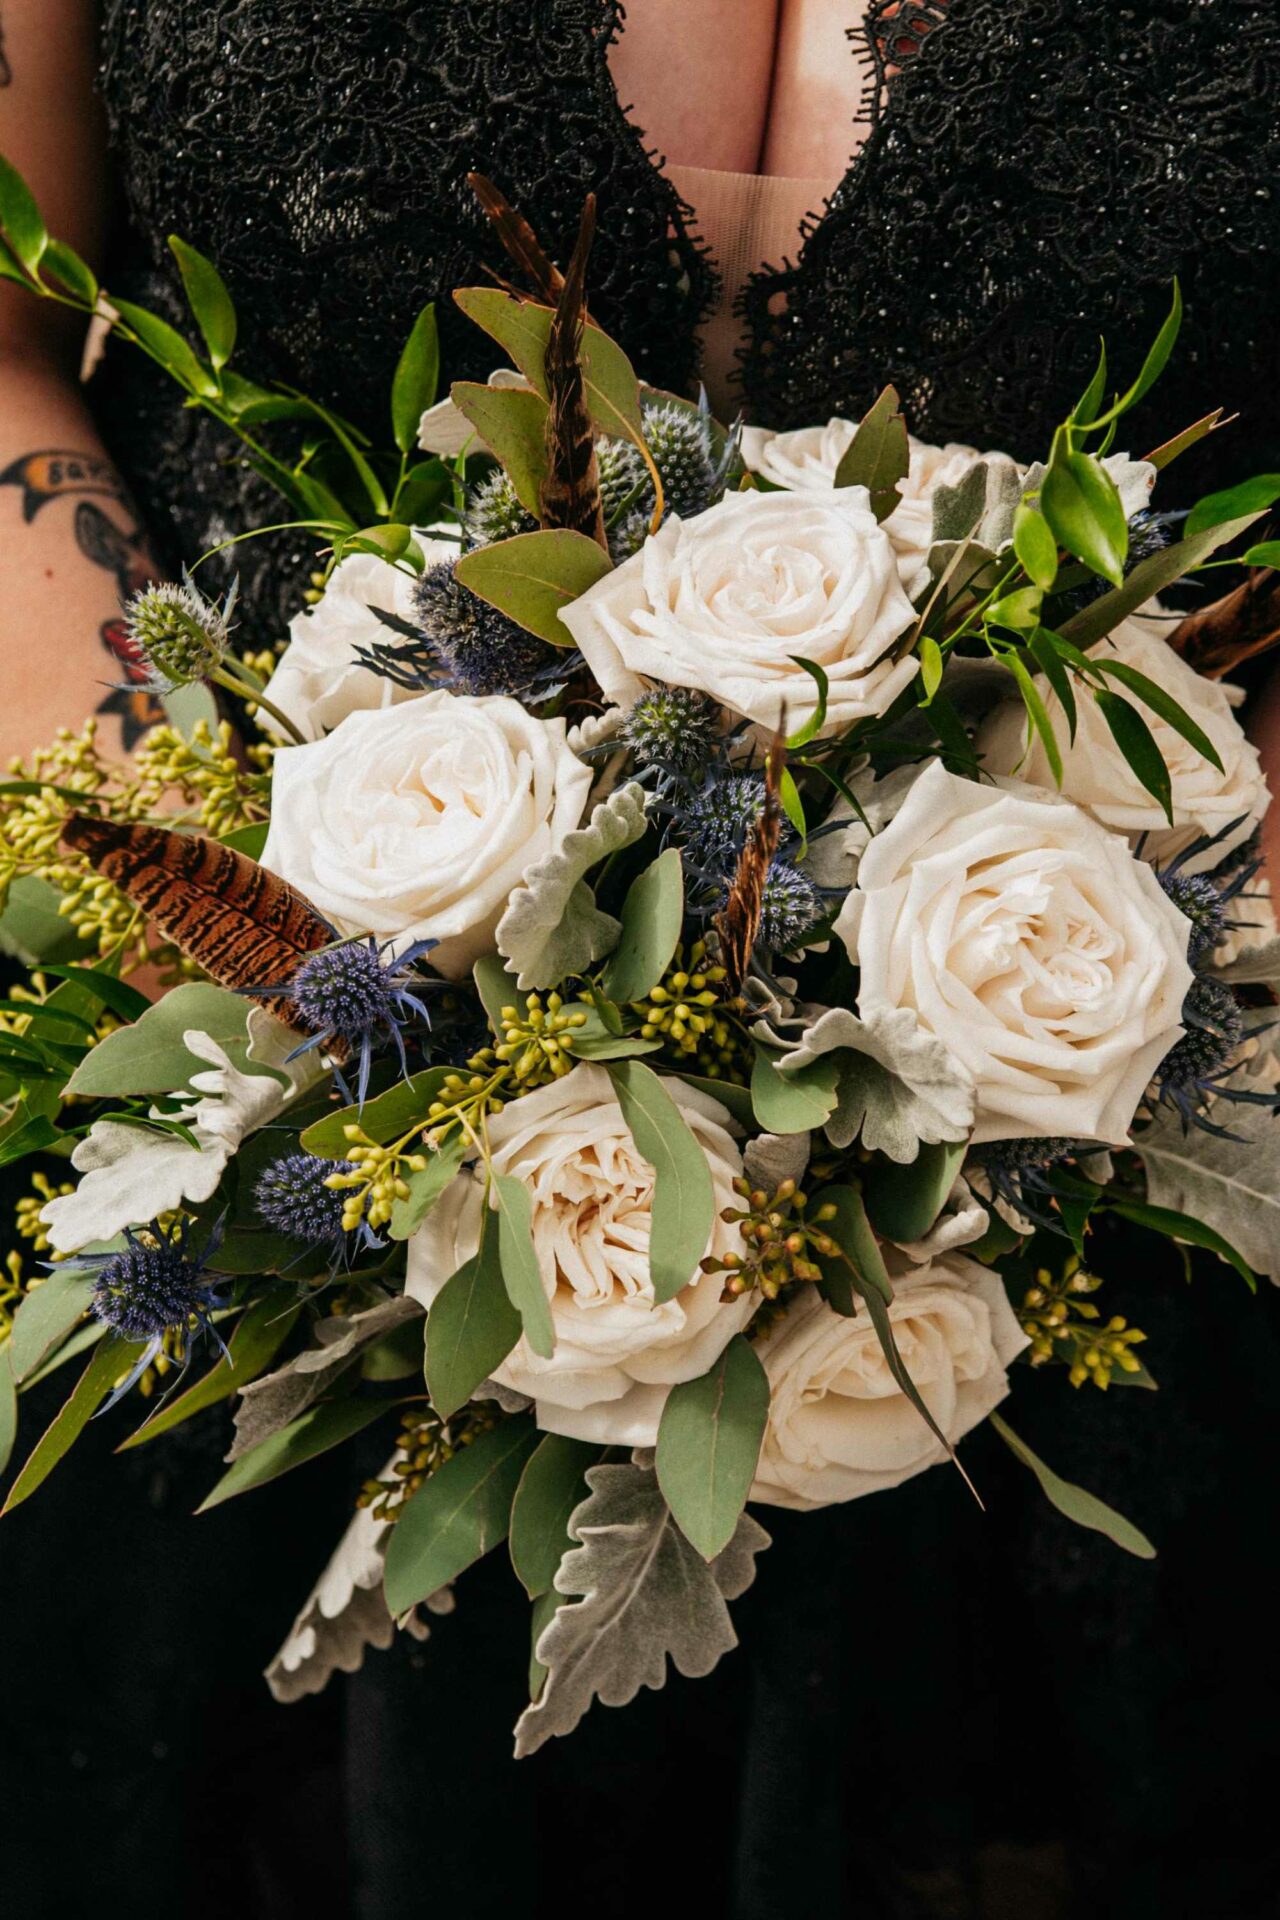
x=840 y=1426
x=417 y=821
x=617 y=1353
x=805 y=461
x=725 y=601
x=319 y=679
x=1031 y=942
x=1098 y=778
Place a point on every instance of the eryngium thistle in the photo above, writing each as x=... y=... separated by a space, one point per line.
x=1198 y=897
x=149 y=1288
x=292 y=1197
x=494 y=511
x=344 y=990
x=480 y=650
x=174 y=635
x=716 y=820
x=673 y=729
x=790 y=908
x=1215 y=1033
x=679 y=441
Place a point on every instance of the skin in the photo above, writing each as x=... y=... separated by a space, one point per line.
x=788 y=85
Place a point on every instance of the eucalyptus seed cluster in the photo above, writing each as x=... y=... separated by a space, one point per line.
x=689 y=1012
x=1063 y=1325
x=538 y=1041
x=425 y=1444
x=781 y=1241
x=208 y=773
x=371 y=1178
x=28 y=1209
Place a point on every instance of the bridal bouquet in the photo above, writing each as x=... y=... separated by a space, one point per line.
x=711 y=929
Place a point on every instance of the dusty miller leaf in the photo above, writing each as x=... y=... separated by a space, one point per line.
x=981 y=506
x=899 y=1088
x=552 y=926
x=1232 y=1186
x=1256 y=966
x=646 y=1596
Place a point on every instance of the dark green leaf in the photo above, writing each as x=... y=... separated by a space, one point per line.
x=117 y=995
x=1078 y=499
x=735 y=1099
x=1232 y=503
x=879 y=455
x=1037 y=711
x=1162 y=703
x=208 y=299
x=168 y=347
x=1051 y=665
x=652 y=916
x=112 y=1359
x=683 y=1197
x=32 y=1136
x=1134 y=738
x=417 y=375
x=532 y=576
x=149 y=1056
x=426 y=1186
x=793 y=1102
x=903 y=1202
x=46 y=1316
x=1181 y=1226
x=471 y=1327
x=20 y=216
x=258 y=1337
x=512 y=422
x=518 y=1259
x=70 y=271
x=311 y=1434
x=385 y=1118
x=1084 y=1508
x=8 y=1410
x=457 y=1515
x=709 y=1443
x=553 y=1483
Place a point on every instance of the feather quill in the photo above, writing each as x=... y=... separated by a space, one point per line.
x=738 y=921
x=570 y=493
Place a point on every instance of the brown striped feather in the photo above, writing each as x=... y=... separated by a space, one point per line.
x=738 y=921
x=1242 y=624
x=519 y=239
x=570 y=494
x=244 y=926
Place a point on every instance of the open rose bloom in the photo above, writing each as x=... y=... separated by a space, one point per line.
x=720 y=948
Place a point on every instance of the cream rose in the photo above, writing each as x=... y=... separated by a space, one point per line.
x=805 y=461
x=839 y=1425
x=1031 y=942
x=319 y=678
x=724 y=603
x=1098 y=778
x=417 y=821
x=616 y=1352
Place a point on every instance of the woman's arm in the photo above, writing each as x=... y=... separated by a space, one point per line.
x=70 y=544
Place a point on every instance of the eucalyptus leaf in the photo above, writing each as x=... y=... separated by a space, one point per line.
x=1073 y=1501
x=903 y=1202
x=427 y=1185
x=111 y=1360
x=798 y=1101
x=31 y=928
x=497 y=988
x=8 y=1410
x=45 y=1318
x=533 y=576
x=683 y=1196
x=512 y=423
x=313 y=1433
x=524 y=329
x=384 y=1118
x=149 y=1056
x=552 y=1487
x=552 y=927
x=457 y=1515
x=647 y=1597
x=652 y=916
x=879 y=455
x=471 y=1327
x=518 y=1260
x=708 y=1444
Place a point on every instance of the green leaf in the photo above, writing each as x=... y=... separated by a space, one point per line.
x=1247 y=497
x=1181 y=1226
x=553 y=1483
x=879 y=455
x=1020 y=610
x=117 y=995
x=70 y=271
x=930 y=666
x=862 y=1271
x=311 y=1434
x=813 y=725
x=1091 y=399
x=1265 y=554
x=10 y=268
x=903 y=1202
x=31 y=928
x=259 y=1334
x=417 y=375
x=521 y=1274
x=497 y=989
x=533 y=575
x=709 y=1443
x=683 y=1197
x=20 y=217
x=384 y=1118
x=734 y=1099
x=167 y=346
x=1078 y=499
x=8 y=1410
x=793 y=1102
x=1152 y=367
x=793 y=805
x=1037 y=712
x=1151 y=576
x=1135 y=740
x=1049 y=660
x=512 y=422
x=33 y=1135
x=1164 y=455
x=112 y=1359
x=1084 y=1508
x=457 y=1515
x=149 y=1057
x=1162 y=703
x=208 y=299
x=524 y=329
x=45 y=1317
x=652 y=916
x=426 y=1186
x=471 y=1327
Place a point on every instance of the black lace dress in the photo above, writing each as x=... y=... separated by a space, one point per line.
x=934 y=1712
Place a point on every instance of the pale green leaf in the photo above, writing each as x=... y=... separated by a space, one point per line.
x=533 y=576
x=708 y=1445
x=552 y=1486
x=1073 y=1501
x=427 y=1185
x=457 y=1515
x=797 y=1101
x=518 y=1259
x=652 y=915
x=314 y=1433
x=683 y=1197
x=471 y=1327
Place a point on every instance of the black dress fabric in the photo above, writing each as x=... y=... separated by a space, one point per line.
x=935 y=1713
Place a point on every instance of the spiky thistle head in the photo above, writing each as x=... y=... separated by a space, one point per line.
x=357 y=994
x=673 y=729
x=1215 y=1032
x=1022 y=1173
x=154 y=1285
x=174 y=635
x=791 y=906
x=1198 y=897
x=291 y=1196
x=494 y=511
x=479 y=649
x=679 y=441
x=717 y=818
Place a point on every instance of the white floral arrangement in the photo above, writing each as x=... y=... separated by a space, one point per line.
x=717 y=936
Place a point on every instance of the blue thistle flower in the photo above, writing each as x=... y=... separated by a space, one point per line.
x=174 y=635
x=672 y=730
x=478 y=648
x=291 y=1196
x=358 y=993
x=1022 y=1173
x=717 y=817
x=494 y=511
x=1197 y=896
x=791 y=906
x=155 y=1286
x=679 y=442
x=1196 y=1068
